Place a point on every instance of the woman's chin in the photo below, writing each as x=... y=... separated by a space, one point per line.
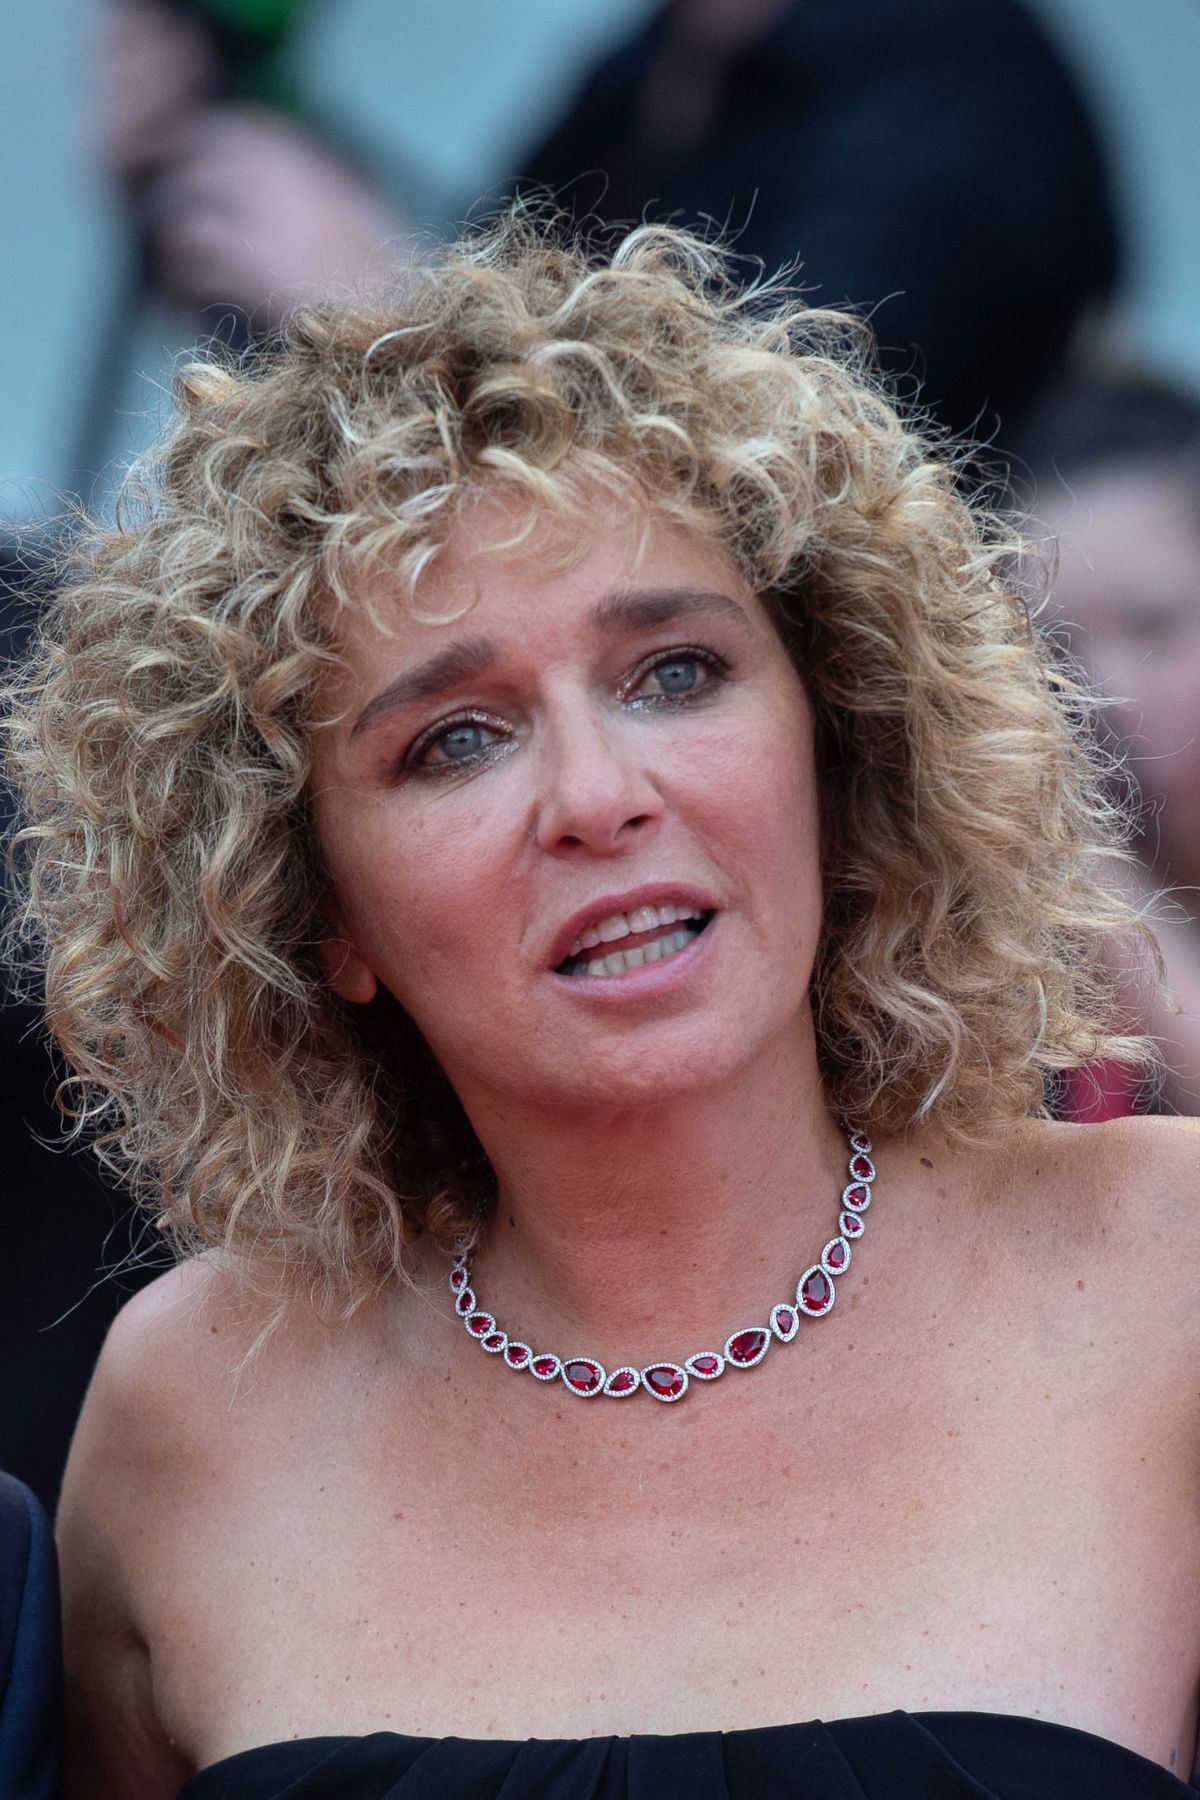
x=676 y=1060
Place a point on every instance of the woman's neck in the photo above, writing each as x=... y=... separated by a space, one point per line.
x=649 y=1233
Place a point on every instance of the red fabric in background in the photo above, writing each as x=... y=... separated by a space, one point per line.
x=1098 y=1091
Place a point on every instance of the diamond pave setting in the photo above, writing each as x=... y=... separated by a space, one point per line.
x=583 y=1376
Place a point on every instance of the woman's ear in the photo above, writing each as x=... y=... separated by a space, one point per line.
x=346 y=972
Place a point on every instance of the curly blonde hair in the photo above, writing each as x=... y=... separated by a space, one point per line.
x=170 y=887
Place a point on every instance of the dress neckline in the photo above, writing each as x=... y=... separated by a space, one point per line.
x=196 y=1787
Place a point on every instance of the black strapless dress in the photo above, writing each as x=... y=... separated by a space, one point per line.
x=889 y=1756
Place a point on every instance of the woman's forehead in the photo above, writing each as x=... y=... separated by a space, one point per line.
x=499 y=571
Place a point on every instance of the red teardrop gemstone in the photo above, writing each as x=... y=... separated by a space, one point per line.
x=836 y=1257
x=784 y=1320
x=816 y=1292
x=480 y=1323
x=622 y=1381
x=545 y=1365
x=517 y=1355
x=706 y=1365
x=857 y=1198
x=747 y=1346
x=862 y=1168
x=665 y=1380
x=494 y=1340
x=851 y=1225
x=458 y=1278
x=464 y=1302
x=584 y=1377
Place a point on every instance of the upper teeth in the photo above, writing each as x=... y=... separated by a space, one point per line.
x=620 y=925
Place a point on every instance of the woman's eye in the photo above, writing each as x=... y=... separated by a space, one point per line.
x=678 y=677
x=457 y=745
x=674 y=677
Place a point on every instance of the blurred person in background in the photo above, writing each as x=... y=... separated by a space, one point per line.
x=930 y=163
x=1116 y=459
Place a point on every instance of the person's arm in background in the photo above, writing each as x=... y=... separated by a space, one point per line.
x=237 y=203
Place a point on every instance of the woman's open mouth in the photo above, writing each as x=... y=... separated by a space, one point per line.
x=627 y=941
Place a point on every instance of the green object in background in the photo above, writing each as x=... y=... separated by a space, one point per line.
x=261 y=21
x=252 y=38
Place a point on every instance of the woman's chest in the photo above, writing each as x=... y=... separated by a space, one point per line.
x=1035 y=1559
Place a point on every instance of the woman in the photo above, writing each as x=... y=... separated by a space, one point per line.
x=543 y=781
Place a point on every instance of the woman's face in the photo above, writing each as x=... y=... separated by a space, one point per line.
x=574 y=831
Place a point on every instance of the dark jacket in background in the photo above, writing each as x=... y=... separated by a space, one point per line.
x=30 y=1650
x=928 y=161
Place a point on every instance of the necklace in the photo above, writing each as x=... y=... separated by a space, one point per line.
x=744 y=1349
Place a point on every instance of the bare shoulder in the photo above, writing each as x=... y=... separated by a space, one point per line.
x=1124 y=1198
x=162 y=1359
x=186 y=1365
x=184 y=1399
x=129 y=1434
x=156 y=1382
x=1144 y=1169
x=1145 y=1149
x=1121 y=1165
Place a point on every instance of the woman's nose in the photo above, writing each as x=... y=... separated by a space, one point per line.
x=596 y=791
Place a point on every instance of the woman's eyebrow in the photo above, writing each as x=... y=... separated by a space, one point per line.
x=461 y=661
x=633 y=609
x=627 y=609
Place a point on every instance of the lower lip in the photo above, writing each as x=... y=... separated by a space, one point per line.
x=651 y=979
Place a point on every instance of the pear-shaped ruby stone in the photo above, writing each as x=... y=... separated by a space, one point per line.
x=665 y=1381
x=857 y=1198
x=583 y=1377
x=458 y=1278
x=862 y=1168
x=494 y=1341
x=706 y=1365
x=835 y=1256
x=816 y=1292
x=747 y=1346
x=480 y=1323
x=851 y=1226
x=517 y=1355
x=622 y=1382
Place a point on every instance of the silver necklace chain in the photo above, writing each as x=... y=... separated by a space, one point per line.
x=669 y=1381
